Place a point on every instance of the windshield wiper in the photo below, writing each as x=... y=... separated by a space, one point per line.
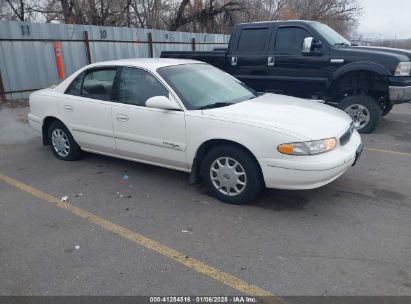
x=342 y=44
x=216 y=105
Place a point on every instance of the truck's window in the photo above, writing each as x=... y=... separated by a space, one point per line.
x=252 y=40
x=329 y=34
x=290 y=39
x=136 y=86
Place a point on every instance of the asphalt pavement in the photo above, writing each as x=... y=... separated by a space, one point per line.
x=352 y=237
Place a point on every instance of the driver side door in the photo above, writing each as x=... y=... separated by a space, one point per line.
x=294 y=73
x=145 y=134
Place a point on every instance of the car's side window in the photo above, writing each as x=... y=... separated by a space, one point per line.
x=290 y=39
x=75 y=86
x=98 y=83
x=136 y=86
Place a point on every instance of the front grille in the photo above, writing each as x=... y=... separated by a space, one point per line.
x=345 y=138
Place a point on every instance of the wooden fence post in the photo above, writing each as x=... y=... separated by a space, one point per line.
x=87 y=45
x=193 y=44
x=150 y=45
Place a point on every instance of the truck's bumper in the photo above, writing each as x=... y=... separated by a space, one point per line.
x=400 y=89
x=320 y=171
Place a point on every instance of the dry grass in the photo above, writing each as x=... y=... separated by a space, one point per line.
x=12 y=104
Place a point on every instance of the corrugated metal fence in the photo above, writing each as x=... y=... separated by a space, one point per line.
x=28 y=59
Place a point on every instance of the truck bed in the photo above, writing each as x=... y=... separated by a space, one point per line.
x=216 y=58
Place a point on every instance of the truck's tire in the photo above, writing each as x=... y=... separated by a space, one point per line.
x=387 y=109
x=231 y=174
x=62 y=143
x=364 y=111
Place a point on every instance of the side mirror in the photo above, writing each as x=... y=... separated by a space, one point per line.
x=162 y=102
x=307 y=44
x=311 y=47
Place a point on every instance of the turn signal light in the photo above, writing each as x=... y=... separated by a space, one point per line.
x=308 y=147
x=285 y=149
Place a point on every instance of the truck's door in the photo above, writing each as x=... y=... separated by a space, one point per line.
x=291 y=71
x=247 y=57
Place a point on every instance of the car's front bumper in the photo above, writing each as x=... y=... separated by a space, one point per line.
x=400 y=89
x=310 y=172
x=35 y=123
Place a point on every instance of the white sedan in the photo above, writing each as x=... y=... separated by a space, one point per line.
x=190 y=116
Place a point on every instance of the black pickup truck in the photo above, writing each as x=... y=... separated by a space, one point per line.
x=309 y=59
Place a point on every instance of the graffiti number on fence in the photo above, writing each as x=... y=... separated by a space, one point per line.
x=169 y=36
x=25 y=30
x=103 y=34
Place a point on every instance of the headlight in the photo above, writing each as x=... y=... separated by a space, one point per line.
x=403 y=69
x=308 y=147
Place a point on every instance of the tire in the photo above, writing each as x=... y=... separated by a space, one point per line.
x=364 y=110
x=387 y=109
x=241 y=165
x=62 y=143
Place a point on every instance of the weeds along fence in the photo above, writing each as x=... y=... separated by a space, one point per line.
x=38 y=55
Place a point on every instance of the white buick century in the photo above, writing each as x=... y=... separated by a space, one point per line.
x=190 y=116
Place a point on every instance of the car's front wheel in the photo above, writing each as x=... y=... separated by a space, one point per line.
x=62 y=143
x=231 y=174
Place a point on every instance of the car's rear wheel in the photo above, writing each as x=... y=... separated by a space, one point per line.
x=231 y=174
x=364 y=111
x=62 y=143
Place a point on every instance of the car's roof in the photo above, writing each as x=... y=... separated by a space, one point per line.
x=147 y=63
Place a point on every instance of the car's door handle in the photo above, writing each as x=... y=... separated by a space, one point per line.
x=68 y=108
x=122 y=117
x=233 y=61
x=270 y=61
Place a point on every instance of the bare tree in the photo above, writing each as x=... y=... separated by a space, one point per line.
x=205 y=16
x=339 y=14
x=217 y=16
x=18 y=9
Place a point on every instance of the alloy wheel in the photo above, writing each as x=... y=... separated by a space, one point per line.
x=360 y=115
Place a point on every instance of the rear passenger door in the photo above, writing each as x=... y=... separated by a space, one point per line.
x=86 y=109
x=248 y=58
x=294 y=73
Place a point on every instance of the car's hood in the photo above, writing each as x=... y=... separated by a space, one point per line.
x=304 y=118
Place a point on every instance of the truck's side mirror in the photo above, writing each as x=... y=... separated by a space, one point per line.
x=307 y=44
x=311 y=47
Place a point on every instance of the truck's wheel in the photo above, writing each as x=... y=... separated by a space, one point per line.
x=387 y=109
x=364 y=111
x=231 y=174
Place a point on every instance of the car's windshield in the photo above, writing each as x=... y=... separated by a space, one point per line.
x=330 y=35
x=202 y=85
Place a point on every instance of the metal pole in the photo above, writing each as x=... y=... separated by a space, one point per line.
x=193 y=44
x=2 y=91
x=87 y=44
x=150 y=45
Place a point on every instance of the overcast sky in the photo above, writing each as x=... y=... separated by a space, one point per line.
x=386 y=17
